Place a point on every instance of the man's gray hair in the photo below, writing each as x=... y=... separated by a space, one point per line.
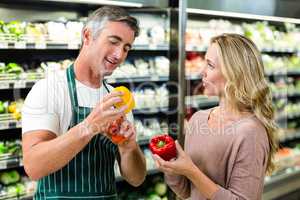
x=101 y=16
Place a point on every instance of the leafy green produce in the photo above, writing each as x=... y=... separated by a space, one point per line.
x=2 y=107
x=14 y=68
x=14 y=27
x=153 y=197
x=9 y=177
x=3 y=148
x=160 y=188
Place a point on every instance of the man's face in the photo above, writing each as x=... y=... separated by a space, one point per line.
x=110 y=48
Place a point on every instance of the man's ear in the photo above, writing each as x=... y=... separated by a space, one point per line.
x=86 y=36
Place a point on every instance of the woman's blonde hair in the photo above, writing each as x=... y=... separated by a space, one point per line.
x=246 y=87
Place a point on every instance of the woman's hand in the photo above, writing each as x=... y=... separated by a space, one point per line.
x=182 y=165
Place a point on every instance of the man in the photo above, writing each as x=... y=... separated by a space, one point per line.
x=65 y=117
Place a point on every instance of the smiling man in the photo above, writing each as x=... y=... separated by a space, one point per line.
x=66 y=115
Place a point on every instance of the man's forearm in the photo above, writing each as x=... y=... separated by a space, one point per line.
x=49 y=156
x=133 y=165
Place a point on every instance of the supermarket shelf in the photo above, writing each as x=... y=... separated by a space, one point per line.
x=72 y=46
x=144 y=141
x=284 y=117
x=10 y=124
x=203 y=49
x=201 y=101
x=7 y=121
x=23 y=197
x=21 y=83
x=146 y=111
x=16 y=84
x=282 y=184
x=11 y=162
x=291 y=136
x=288 y=72
x=286 y=95
x=193 y=77
x=138 y=79
x=38 y=46
x=151 y=47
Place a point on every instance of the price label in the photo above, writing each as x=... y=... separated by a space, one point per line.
x=3 y=165
x=3 y=45
x=73 y=46
x=40 y=45
x=20 y=45
x=3 y=125
x=20 y=84
x=4 y=85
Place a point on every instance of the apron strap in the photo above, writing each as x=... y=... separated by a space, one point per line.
x=106 y=87
x=72 y=86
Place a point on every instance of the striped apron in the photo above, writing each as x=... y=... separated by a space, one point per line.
x=90 y=174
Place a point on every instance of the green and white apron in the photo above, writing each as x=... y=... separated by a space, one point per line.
x=90 y=174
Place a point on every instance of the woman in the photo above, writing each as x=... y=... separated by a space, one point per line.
x=229 y=148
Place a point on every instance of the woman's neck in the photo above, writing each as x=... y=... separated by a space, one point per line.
x=227 y=111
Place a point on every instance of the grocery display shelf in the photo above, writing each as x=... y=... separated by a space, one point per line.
x=11 y=162
x=287 y=72
x=284 y=117
x=282 y=184
x=10 y=124
x=201 y=101
x=145 y=111
x=138 y=79
x=193 y=77
x=151 y=47
x=16 y=84
x=286 y=95
x=203 y=49
x=71 y=46
x=291 y=137
x=38 y=46
x=144 y=141
x=22 y=197
x=23 y=83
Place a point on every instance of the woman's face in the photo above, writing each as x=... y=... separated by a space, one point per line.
x=213 y=80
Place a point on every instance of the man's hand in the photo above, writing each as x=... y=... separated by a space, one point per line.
x=128 y=131
x=103 y=114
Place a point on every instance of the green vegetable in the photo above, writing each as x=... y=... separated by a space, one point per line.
x=153 y=197
x=20 y=188
x=160 y=188
x=9 y=177
x=3 y=148
x=2 y=108
x=14 y=68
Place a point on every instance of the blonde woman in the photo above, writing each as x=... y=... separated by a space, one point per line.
x=229 y=148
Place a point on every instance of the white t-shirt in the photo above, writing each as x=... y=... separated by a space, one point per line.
x=48 y=105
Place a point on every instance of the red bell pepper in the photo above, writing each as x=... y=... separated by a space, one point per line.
x=164 y=146
x=113 y=131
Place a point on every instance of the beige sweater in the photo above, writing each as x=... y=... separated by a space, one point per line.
x=234 y=157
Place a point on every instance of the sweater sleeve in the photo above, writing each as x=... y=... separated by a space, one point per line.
x=248 y=171
x=179 y=184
